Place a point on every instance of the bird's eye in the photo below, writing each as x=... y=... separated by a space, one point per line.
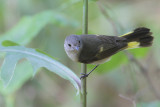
x=79 y=41
x=69 y=45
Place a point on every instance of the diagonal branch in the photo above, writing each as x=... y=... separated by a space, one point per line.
x=144 y=71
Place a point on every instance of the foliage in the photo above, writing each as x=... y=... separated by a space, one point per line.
x=19 y=78
x=151 y=104
x=37 y=60
x=45 y=25
x=28 y=27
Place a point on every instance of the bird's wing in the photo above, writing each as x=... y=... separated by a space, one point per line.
x=98 y=47
x=108 y=47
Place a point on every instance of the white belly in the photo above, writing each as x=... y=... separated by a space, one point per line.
x=72 y=56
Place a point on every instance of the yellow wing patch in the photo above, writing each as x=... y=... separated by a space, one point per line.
x=126 y=34
x=101 y=49
x=133 y=45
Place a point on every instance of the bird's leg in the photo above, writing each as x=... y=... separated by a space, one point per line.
x=86 y=75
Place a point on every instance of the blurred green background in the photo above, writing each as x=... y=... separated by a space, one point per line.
x=44 y=24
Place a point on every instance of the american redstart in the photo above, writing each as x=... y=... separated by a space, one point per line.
x=97 y=49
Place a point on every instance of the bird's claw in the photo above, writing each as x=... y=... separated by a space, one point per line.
x=83 y=75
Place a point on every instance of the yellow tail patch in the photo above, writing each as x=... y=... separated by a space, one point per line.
x=126 y=34
x=133 y=45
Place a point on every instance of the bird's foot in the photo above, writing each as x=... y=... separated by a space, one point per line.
x=83 y=75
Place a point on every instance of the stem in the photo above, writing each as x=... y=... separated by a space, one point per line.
x=85 y=17
x=144 y=71
x=108 y=17
x=9 y=100
x=84 y=66
x=84 y=87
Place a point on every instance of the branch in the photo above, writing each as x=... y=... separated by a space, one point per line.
x=128 y=99
x=83 y=66
x=104 y=12
x=144 y=71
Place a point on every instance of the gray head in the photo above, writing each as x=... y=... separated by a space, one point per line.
x=73 y=46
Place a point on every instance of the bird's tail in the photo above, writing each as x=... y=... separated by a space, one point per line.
x=140 y=37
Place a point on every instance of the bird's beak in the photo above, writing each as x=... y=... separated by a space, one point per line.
x=77 y=48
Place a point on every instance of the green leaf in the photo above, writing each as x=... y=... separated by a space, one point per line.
x=93 y=0
x=114 y=62
x=29 y=27
x=37 y=60
x=9 y=43
x=40 y=51
x=120 y=58
x=139 y=52
x=19 y=78
x=151 y=104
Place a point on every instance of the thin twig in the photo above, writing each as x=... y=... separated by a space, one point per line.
x=144 y=71
x=130 y=56
x=128 y=99
x=83 y=66
x=104 y=12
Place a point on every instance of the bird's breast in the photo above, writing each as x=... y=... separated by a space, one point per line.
x=72 y=55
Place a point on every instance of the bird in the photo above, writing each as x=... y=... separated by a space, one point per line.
x=97 y=49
